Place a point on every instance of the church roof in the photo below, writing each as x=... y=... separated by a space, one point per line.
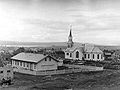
x=74 y=48
x=96 y=49
x=93 y=50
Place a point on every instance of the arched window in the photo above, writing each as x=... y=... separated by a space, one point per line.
x=77 y=54
x=93 y=56
x=98 y=56
x=85 y=55
x=70 y=54
x=88 y=56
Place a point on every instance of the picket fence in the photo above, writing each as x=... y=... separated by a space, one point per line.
x=55 y=72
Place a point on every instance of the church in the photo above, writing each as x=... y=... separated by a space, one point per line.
x=82 y=51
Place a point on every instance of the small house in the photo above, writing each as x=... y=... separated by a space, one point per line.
x=36 y=62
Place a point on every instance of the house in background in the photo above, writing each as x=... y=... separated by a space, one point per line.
x=36 y=62
x=6 y=73
x=108 y=54
x=116 y=55
x=83 y=51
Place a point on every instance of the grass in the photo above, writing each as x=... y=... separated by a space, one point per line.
x=106 y=80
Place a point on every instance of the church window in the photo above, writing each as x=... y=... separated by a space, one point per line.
x=77 y=54
x=88 y=55
x=101 y=56
x=85 y=55
x=70 y=54
x=98 y=56
x=67 y=53
x=93 y=56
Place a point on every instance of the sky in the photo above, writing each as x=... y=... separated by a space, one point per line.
x=93 y=21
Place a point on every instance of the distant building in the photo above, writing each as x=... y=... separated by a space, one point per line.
x=116 y=54
x=6 y=73
x=108 y=54
x=37 y=62
x=82 y=52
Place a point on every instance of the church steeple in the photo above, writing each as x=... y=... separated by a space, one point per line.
x=70 y=42
x=70 y=35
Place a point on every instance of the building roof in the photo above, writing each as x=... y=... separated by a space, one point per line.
x=96 y=49
x=30 y=57
x=93 y=50
x=74 y=48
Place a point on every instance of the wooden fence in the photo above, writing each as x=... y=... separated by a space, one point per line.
x=65 y=71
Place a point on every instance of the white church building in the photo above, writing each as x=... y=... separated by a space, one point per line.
x=83 y=51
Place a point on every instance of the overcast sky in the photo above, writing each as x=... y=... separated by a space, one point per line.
x=93 y=21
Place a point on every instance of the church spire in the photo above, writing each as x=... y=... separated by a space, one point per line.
x=70 y=42
x=70 y=31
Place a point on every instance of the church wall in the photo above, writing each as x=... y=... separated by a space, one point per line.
x=68 y=56
x=80 y=55
x=90 y=55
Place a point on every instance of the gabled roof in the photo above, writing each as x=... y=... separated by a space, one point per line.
x=30 y=57
x=93 y=50
x=96 y=49
x=74 y=48
x=88 y=47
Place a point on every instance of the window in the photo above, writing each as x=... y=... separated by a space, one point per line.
x=101 y=56
x=45 y=59
x=27 y=64
x=85 y=55
x=70 y=54
x=88 y=56
x=12 y=62
x=93 y=56
x=8 y=71
x=1 y=71
x=98 y=56
x=20 y=63
x=15 y=62
x=77 y=54
x=49 y=59
x=23 y=64
x=34 y=66
x=67 y=53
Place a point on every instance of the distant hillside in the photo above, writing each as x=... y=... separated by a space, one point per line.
x=49 y=44
x=33 y=44
x=108 y=47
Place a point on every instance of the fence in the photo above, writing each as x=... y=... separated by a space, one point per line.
x=65 y=71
